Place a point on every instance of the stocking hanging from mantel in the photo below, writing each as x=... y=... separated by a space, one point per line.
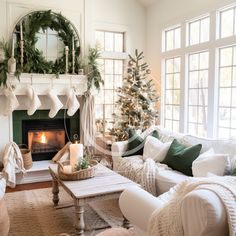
x=87 y=127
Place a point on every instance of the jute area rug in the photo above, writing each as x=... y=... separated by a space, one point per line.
x=32 y=213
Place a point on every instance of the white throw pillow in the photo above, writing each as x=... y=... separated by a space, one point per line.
x=155 y=149
x=209 y=162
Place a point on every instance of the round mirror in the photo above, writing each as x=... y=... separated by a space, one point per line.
x=46 y=42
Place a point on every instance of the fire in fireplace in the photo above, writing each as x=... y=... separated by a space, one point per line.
x=44 y=137
x=43 y=141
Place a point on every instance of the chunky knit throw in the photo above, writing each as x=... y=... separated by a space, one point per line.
x=167 y=221
x=141 y=172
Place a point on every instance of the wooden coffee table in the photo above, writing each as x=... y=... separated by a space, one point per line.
x=106 y=184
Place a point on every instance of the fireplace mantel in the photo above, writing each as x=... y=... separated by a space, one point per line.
x=43 y=82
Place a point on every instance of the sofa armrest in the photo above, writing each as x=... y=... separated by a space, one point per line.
x=203 y=213
x=117 y=149
x=137 y=206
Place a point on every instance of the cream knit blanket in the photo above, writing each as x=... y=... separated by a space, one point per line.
x=167 y=221
x=141 y=172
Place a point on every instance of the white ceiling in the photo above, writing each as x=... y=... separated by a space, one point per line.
x=146 y=2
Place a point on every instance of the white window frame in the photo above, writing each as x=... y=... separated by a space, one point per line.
x=212 y=46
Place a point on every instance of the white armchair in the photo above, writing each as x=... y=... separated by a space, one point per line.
x=202 y=212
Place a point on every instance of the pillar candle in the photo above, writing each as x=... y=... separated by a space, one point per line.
x=21 y=32
x=67 y=169
x=76 y=153
x=73 y=44
x=12 y=52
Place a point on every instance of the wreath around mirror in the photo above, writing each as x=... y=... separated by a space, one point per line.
x=34 y=61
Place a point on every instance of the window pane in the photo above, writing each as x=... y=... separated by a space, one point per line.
x=169 y=81
x=108 y=81
x=224 y=117
x=203 y=60
x=205 y=27
x=223 y=133
x=109 y=66
x=169 y=99
x=194 y=32
x=169 y=66
x=225 y=97
x=234 y=76
x=118 y=67
x=169 y=40
x=176 y=97
x=193 y=79
x=175 y=127
x=118 y=81
x=227 y=21
x=108 y=111
x=119 y=42
x=177 y=81
x=226 y=56
x=177 y=64
x=194 y=61
x=109 y=41
x=193 y=113
x=233 y=118
x=193 y=97
x=203 y=78
x=225 y=77
x=99 y=111
x=203 y=97
x=233 y=97
x=177 y=38
x=176 y=112
x=100 y=98
x=168 y=112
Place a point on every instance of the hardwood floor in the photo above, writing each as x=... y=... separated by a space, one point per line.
x=23 y=187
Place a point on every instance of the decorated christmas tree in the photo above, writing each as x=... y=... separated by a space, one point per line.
x=137 y=98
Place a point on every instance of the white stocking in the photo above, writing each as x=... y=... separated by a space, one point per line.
x=72 y=102
x=56 y=103
x=12 y=102
x=35 y=103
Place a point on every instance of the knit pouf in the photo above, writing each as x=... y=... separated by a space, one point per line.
x=117 y=232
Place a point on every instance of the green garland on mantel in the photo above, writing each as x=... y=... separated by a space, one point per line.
x=34 y=61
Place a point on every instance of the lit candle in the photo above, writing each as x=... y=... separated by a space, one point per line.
x=21 y=32
x=76 y=153
x=12 y=52
x=67 y=169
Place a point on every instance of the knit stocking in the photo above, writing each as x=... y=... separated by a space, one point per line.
x=56 y=104
x=12 y=102
x=35 y=103
x=72 y=102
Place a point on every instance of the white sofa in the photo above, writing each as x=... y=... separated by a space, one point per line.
x=167 y=179
x=202 y=212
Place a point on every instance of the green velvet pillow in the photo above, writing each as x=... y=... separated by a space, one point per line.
x=136 y=143
x=180 y=157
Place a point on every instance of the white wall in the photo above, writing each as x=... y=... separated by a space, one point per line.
x=165 y=13
x=87 y=16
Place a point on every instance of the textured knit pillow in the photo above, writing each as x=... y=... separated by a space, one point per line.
x=180 y=157
x=136 y=143
x=155 y=149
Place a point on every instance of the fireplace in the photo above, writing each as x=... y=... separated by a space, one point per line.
x=45 y=137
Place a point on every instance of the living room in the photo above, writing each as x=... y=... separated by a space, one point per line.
x=118 y=117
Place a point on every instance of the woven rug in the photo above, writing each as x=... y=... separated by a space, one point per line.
x=32 y=213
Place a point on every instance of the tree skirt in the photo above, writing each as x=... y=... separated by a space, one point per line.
x=32 y=213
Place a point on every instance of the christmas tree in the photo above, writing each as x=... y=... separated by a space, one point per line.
x=136 y=99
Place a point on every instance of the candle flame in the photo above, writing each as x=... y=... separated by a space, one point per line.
x=43 y=138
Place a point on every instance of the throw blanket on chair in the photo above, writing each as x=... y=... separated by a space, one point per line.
x=13 y=162
x=141 y=172
x=167 y=221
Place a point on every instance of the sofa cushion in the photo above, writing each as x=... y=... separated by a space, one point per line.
x=136 y=143
x=180 y=157
x=155 y=149
x=167 y=179
x=209 y=162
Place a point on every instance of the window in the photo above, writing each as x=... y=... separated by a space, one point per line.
x=172 y=93
x=227 y=92
x=172 y=38
x=204 y=102
x=198 y=93
x=227 y=24
x=111 y=68
x=198 y=31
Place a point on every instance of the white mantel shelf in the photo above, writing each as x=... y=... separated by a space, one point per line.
x=42 y=83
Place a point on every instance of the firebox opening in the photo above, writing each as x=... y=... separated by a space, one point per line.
x=43 y=141
x=45 y=137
